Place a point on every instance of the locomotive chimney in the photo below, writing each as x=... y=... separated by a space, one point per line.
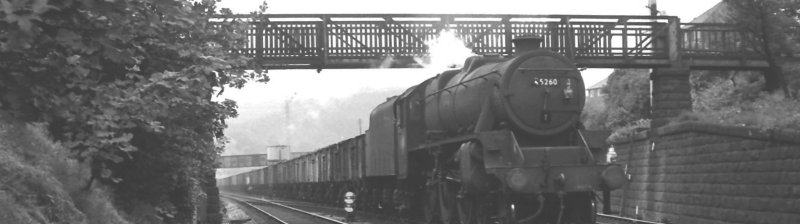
x=526 y=43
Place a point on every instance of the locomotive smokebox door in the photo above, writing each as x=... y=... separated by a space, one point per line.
x=544 y=92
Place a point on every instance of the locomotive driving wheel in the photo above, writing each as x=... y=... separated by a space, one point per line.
x=430 y=202
x=448 y=201
x=440 y=202
x=582 y=208
x=472 y=209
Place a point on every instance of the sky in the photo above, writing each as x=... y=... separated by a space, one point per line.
x=338 y=83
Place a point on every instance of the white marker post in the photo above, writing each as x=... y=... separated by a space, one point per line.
x=349 y=199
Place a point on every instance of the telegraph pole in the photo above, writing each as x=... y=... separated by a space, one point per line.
x=288 y=110
x=651 y=4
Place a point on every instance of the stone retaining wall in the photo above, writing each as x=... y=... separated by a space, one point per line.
x=703 y=173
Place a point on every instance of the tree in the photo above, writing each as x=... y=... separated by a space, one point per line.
x=774 y=26
x=627 y=97
x=126 y=85
x=595 y=115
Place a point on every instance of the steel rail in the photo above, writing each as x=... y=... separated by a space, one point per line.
x=269 y=215
x=305 y=212
x=620 y=219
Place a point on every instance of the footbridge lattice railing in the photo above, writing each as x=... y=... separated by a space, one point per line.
x=400 y=40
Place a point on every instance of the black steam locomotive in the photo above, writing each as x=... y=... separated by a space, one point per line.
x=497 y=141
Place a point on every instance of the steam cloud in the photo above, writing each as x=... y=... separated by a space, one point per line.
x=446 y=50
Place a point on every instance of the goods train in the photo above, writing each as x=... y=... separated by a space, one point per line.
x=497 y=141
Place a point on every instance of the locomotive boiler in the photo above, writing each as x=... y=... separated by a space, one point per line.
x=497 y=141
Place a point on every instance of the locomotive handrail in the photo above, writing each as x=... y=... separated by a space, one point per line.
x=586 y=145
x=447 y=89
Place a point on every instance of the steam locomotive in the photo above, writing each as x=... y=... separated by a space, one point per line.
x=497 y=141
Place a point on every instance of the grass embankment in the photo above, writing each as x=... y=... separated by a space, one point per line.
x=40 y=184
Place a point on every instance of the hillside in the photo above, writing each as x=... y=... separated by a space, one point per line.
x=314 y=124
x=39 y=184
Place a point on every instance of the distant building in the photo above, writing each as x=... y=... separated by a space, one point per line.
x=720 y=13
x=279 y=152
x=699 y=41
x=298 y=154
x=239 y=161
x=596 y=90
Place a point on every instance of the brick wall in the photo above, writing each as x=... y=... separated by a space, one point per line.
x=705 y=174
x=671 y=94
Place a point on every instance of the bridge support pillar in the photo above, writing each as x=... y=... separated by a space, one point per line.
x=671 y=94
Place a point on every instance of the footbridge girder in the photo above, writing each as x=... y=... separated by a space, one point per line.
x=312 y=41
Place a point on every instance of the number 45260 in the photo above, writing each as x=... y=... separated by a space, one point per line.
x=545 y=82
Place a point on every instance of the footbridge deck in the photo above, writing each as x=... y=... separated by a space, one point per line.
x=307 y=41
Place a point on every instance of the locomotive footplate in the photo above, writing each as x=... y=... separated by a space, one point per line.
x=545 y=169
x=566 y=178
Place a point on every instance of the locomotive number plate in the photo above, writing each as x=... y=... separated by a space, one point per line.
x=544 y=82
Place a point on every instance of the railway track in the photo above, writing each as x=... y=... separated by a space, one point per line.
x=612 y=219
x=277 y=213
x=291 y=212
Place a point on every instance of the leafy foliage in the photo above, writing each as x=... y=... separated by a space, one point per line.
x=630 y=129
x=725 y=101
x=594 y=116
x=736 y=98
x=33 y=188
x=775 y=25
x=627 y=97
x=124 y=84
x=713 y=90
x=625 y=103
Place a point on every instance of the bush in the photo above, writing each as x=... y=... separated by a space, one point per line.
x=627 y=97
x=127 y=84
x=793 y=80
x=625 y=100
x=744 y=104
x=29 y=193
x=722 y=97
x=39 y=184
x=594 y=116
x=630 y=129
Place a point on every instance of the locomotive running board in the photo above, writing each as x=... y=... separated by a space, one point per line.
x=458 y=139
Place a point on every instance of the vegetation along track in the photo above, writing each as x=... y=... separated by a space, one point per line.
x=281 y=214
